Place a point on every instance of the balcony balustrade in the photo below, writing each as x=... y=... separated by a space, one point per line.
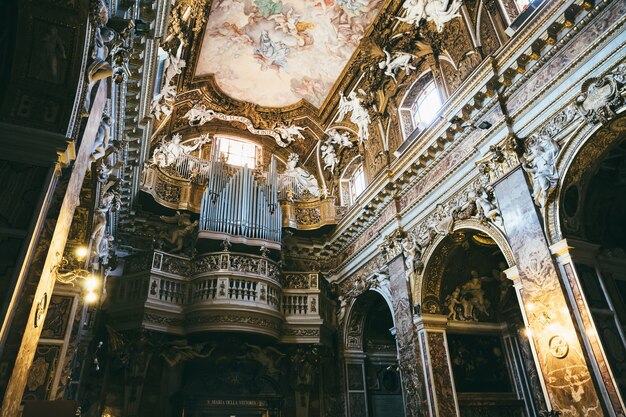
x=219 y=291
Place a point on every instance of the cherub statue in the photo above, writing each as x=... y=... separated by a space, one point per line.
x=290 y=133
x=453 y=302
x=441 y=11
x=414 y=12
x=486 y=207
x=401 y=61
x=329 y=156
x=340 y=139
x=359 y=115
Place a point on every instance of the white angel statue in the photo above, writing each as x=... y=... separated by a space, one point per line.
x=360 y=117
x=329 y=156
x=174 y=65
x=400 y=61
x=303 y=179
x=442 y=11
x=437 y=11
x=414 y=12
x=340 y=139
x=290 y=133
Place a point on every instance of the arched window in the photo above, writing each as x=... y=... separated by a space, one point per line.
x=426 y=106
x=420 y=106
x=238 y=152
x=357 y=184
x=352 y=182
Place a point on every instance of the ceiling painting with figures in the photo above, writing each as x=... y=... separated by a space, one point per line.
x=268 y=52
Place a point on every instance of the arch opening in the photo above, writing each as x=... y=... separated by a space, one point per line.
x=489 y=356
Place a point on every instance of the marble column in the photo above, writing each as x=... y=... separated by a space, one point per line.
x=407 y=342
x=45 y=286
x=581 y=267
x=442 y=400
x=559 y=353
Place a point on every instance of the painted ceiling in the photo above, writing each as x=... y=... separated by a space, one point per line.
x=275 y=53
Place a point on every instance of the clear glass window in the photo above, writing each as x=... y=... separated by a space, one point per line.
x=357 y=184
x=522 y=4
x=238 y=152
x=425 y=108
x=159 y=75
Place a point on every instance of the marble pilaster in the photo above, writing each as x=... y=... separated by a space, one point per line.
x=406 y=337
x=576 y=258
x=559 y=353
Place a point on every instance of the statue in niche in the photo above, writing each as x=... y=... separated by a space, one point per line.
x=329 y=156
x=304 y=180
x=182 y=228
x=400 y=61
x=340 y=139
x=467 y=302
x=268 y=357
x=539 y=161
x=360 y=116
x=180 y=350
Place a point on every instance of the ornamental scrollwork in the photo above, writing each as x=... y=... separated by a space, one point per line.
x=601 y=96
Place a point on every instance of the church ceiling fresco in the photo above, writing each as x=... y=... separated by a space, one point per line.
x=268 y=52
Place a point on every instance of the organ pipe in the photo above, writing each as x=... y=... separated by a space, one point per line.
x=237 y=204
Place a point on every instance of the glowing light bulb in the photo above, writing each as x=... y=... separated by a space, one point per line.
x=91 y=297
x=81 y=252
x=91 y=283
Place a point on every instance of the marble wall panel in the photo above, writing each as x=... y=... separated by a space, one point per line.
x=559 y=353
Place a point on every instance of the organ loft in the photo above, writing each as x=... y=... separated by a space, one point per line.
x=303 y=208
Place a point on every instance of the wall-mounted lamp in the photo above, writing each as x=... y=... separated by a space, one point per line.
x=65 y=273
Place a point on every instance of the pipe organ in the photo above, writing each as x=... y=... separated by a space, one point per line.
x=241 y=205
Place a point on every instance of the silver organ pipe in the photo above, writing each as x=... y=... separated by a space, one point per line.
x=236 y=204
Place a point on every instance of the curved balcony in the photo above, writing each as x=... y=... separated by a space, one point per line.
x=220 y=291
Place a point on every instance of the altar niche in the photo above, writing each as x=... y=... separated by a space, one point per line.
x=374 y=387
x=475 y=350
x=592 y=254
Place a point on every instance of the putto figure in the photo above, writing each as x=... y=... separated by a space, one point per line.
x=438 y=11
x=400 y=61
